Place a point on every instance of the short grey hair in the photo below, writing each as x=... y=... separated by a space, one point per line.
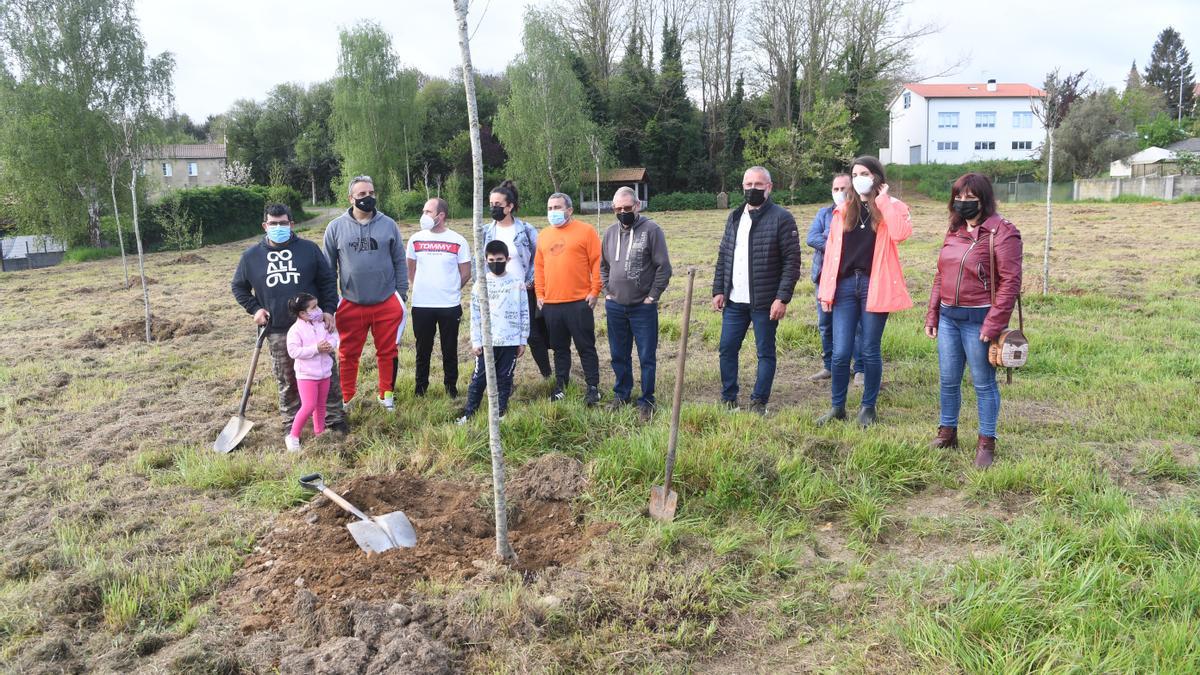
x=359 y=179
x=629 y=192
x=563 y=196
x=763 y=170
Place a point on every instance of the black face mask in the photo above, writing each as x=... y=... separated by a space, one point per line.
x=366 y=204
x=497 y=266
x=966 y=208
x=755 y=196
x=498 y=213
x=627 y=218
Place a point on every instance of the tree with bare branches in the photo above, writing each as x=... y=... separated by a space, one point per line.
x=1051 y=109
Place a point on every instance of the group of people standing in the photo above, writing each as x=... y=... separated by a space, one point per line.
x=543 y=288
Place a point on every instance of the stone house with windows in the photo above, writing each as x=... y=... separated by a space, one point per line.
x=170 y=167
x=957 y=123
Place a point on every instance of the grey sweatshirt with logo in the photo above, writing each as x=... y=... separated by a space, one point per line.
x=634 y=263
x=368 y=260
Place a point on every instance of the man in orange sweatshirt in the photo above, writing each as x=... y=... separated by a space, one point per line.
x=566 y=277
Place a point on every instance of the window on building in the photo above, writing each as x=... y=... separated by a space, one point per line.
x=985 y=145
x=985 y=120
x=947 y=145
x=947 y=120
x=193 y=170
x=1022 y=145
x=166 y=169
x=907 y=99
x=1023 y=120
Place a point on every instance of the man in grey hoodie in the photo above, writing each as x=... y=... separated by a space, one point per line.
x=634 y=271
x=366 y=251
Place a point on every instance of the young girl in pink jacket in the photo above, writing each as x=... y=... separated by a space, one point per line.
x=311 y=346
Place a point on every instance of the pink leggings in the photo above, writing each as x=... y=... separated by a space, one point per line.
x=312 y=403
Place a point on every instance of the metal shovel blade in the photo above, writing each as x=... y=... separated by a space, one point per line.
x=383 y=533
x=662 y=504
x=233 y=433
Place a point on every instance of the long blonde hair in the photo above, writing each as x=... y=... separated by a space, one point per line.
x=851 y=215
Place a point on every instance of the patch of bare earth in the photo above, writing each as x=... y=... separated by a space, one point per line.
x=309 y=600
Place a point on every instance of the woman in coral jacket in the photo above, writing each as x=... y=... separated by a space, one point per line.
x=962 y=316
x=861 y=278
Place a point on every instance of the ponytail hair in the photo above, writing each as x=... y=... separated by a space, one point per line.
x=509 y=190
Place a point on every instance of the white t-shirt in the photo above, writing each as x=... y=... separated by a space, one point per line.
x=741 y=261
x=508 y=235
x=438 y=254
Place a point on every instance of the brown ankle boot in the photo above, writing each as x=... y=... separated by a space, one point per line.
x=985 y=452
x=947 y=437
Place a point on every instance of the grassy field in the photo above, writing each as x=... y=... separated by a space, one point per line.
x=795 y=549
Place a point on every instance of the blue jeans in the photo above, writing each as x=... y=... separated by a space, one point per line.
x=959 y=345
x=825 y=328
x=629 y=325
x=850 y=310
x=735 y=320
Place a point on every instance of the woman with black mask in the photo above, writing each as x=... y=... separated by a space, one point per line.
x=974 y=290
x=521 y=239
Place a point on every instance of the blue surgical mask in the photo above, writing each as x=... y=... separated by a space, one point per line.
x=556 y=218
x=279 y=234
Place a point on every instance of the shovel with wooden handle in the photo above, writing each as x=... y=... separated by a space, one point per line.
x=373 y=535
x=662 y=498
x=238 y=426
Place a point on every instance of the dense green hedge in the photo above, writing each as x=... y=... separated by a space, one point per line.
x=226 y=213
x=935 y=180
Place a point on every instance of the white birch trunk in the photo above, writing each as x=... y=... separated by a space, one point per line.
x=1049 y=218
x=112 y=188
x=137 y=235
x=504 y=550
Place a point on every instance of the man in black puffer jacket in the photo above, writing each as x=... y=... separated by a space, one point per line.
x=758 y=265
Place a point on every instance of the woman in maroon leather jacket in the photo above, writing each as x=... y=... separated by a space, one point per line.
x=962 y=315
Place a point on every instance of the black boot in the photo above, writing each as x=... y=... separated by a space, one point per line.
x=837 y=413
x=866 y=416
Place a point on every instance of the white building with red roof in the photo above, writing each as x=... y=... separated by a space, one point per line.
x=957 y=123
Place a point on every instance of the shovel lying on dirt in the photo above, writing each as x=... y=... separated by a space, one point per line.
x=373 y=535
x=662 y=498
x=238 y=426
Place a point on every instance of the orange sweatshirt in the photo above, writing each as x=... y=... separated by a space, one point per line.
x=567 y=265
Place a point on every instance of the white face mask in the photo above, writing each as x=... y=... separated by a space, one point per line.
x=427 y=222
x=863 y=184
x=839 y=198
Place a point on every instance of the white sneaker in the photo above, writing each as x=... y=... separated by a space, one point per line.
x=859 y=379
x=292 y=443
x=388 y=401
x=347 y=405
x=462 y=420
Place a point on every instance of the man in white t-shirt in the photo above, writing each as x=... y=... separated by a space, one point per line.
x=439 y=266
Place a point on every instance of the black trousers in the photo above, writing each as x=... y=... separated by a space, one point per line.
x=538 y=341
x=444 y=322
x=506 y=364
x=568 y=322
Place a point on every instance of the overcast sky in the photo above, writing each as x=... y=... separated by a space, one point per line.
x=226 y=50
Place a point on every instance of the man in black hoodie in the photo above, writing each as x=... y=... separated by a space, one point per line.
x=271 y=272
x=758 y=265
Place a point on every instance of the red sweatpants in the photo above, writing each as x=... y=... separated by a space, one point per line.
x=353 y=322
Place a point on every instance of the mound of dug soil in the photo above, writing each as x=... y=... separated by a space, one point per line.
x=134 y=330
x=137 y=281
x=189 y=259
x=311 y=548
